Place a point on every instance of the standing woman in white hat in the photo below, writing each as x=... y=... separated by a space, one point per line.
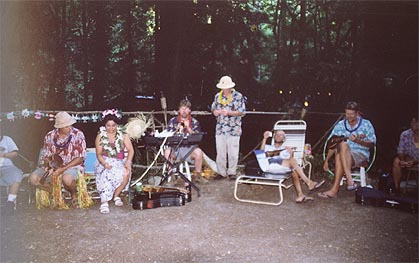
x=229 y=108
x=68 y=143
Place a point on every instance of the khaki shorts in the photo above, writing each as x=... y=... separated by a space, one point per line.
x=73 y=171
x=359 y=159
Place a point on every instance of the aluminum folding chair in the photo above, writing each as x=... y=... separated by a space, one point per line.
x=295 y=133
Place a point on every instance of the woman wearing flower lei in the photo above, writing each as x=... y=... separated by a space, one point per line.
x=112 y=170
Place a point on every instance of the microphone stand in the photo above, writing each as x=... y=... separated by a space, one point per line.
x=164 y=107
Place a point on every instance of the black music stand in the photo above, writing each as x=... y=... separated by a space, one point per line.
x=177 y=141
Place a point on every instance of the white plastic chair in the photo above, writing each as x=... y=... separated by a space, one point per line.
x=295 y=133
x=359 y=174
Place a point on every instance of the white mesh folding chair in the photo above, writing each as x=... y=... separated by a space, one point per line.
x=295 y=133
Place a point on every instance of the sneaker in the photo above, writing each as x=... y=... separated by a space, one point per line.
x=232 y=177
x=219 y=177
x=199 y=179
x=118 y=201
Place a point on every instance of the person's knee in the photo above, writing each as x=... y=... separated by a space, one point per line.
x=293 y=162
x=396 y=162
x=34 y=179
x=343 y=146
x=68 y=180
x=198 y=154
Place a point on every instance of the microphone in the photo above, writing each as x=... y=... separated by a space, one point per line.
x=163 y=102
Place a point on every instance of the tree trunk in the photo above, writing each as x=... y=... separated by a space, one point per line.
x=99 y=53
x=174 y=20
x=84 y=51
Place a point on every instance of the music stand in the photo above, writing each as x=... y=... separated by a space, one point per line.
x=176 y=142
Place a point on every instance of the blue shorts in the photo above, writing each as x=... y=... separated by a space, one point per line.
x=74 y=172
x=9 y=175
x=181 y=152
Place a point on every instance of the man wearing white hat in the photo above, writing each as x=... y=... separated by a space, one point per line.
x=229 y=108
x=68 y=143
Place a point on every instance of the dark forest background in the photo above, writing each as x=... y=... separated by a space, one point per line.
x=92 y=55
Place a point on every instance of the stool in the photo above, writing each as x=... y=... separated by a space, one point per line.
x=411 y=171
x=357 y=176
x=185 y=169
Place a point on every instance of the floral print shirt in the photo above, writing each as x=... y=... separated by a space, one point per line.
x=73 y=146
x=194 y=123
x=229 y=125
x=407 y=144
x=363 y=126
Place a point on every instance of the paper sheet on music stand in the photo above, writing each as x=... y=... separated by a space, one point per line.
x=269 y=168
x=163 y=134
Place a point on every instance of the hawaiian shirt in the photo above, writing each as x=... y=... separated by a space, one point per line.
x=407 y=144
x=363 y=126
x=73 y=146
x=229 y=125
x=194 y=123
x=7 y=145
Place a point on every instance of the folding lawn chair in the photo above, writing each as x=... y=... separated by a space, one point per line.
x=275 y=176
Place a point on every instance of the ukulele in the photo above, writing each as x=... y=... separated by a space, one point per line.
x=53 y=162
x=277 y=152
x=336 y=139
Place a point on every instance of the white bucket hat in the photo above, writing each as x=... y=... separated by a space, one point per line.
x=226 y=83
x=63 y=119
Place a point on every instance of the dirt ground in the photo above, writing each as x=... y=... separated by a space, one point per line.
x=215 y=228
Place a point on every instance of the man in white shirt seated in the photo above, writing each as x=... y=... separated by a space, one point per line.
x=280 y=159
x=10 y=175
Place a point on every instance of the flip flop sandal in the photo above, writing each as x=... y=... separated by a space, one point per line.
x=104 y=208
x=325 y=196
x=352 y=187
x=118 y=201
x=305 y=199
x=317 y=186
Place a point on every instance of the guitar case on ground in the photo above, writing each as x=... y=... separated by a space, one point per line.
x=374 y=197
x=149 y=200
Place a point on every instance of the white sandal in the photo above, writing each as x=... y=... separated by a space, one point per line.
x=118 y=201
x=104 y=208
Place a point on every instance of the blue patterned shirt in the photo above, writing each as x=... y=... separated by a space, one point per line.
x=194 y=124
x=365 y=127
x=407 y=144
x=229 y=125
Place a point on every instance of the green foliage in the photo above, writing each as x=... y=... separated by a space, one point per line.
x=87 y=52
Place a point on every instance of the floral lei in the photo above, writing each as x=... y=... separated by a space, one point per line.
x=356 y=128
x=112 y=151
x=229 y=98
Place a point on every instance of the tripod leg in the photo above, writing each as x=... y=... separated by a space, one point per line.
x=190 y=183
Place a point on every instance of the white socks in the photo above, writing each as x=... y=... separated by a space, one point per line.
x=11 y=198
